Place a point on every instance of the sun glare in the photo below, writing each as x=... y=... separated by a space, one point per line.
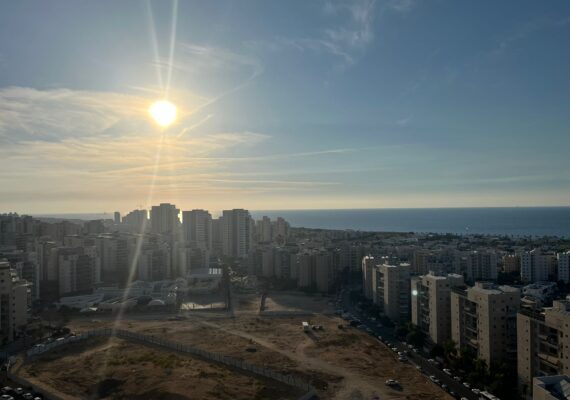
x=163 y=112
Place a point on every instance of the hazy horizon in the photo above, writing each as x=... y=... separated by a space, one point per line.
x=284 y=105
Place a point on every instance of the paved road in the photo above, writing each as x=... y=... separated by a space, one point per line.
x=417 y=359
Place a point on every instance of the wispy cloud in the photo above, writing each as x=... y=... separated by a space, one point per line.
x=348 y=33
x=522 y=31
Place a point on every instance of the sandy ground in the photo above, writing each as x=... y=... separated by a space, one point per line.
x=285 y=302
x=340 y=363
x=116 y=369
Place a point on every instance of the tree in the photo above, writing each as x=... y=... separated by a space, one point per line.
x=416 y=338
x=437 y=351
x=449 y=349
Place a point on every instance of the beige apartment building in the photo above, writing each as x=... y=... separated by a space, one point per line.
x=15 y=301
x=483 y=320
x=543 y=343
x=392 y=291
x=431 y=304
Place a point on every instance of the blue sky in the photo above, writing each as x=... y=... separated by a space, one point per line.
x=284 y=104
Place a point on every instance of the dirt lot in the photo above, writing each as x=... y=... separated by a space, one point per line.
x=340 y=363
x=115 y=369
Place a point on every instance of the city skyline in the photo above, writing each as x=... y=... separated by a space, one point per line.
x=321 y=105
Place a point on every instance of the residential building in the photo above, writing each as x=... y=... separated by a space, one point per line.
x=483 y=320
x=280 y=231
x=536 y=266
x=368 y=264
x=136 y=220
x=164 y=218
x=393 y=291
x=15 y=302
x=264 y=229
x=543 y=343
x=420 y=260
x=237 y=233
x=197 y=228
x=564 y=266
x=77 y=271
x=431 y=304
x=511 y=263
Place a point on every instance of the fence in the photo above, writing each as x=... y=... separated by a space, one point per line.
x=181 y=348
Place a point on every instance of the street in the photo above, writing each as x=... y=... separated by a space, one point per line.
x=428 y=369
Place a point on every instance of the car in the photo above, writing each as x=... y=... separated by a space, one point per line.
x=476 y=391
x=19 y=391
x=447 y=371
x=444 y=387
x=434 y=379
x=402 y=358
x=380 y=338
x=28 y=396
x=415 y=350
x=452 y=393
x=457 y=378
x=7 y=389
x=392 y=382
x=467 y=385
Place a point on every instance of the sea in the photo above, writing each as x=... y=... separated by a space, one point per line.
x=511 y=221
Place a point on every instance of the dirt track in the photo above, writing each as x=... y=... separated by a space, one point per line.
x=115 y=369
x=342 y=364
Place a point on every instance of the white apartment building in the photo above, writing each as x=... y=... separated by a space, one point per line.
x=431 y=304
x=536 y=266
x=564 y=266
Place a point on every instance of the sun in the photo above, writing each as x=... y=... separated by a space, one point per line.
x=163 y=112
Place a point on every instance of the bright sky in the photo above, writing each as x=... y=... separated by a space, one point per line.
x=284 y=104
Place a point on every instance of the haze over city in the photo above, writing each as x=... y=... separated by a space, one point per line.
x=283 y=105
x=284 y=200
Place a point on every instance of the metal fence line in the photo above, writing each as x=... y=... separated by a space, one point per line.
x=180 y=348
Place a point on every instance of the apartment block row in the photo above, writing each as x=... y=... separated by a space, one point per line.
x=487 y=320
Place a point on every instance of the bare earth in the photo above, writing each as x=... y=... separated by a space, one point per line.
x=116 y=369
x=341 y=363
